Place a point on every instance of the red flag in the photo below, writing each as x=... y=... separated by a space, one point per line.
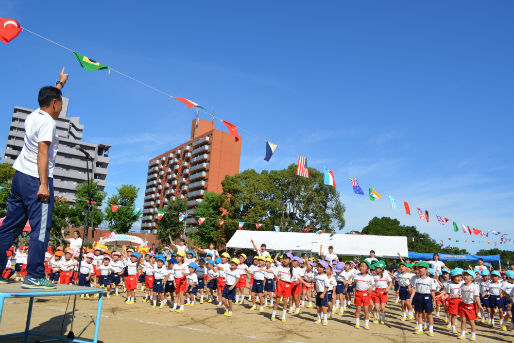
x=92 y=202
x=469 y=230
x=9 y=29
x=114 y=208
x=221 y=222
x=201 y=220
x=257 y=226
x=426 y=215
x=188 y=103
x=232 y=129
x=407 y=208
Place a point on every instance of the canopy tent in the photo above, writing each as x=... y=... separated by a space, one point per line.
x=349 y=245
x=453 y=258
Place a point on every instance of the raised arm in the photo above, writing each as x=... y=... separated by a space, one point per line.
x=254 y=246
x=321 y=254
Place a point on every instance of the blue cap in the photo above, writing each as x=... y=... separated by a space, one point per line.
x=497 y=273
x=456 y=272
x=172 y=260
x=193 y=265
x=211 y=262
x=485 y=272
x=136 y=254
x=431 y=271
x=446 y=270
x=203 y=259
x=471 y=272
x=191 y=252
x=509 y=274
x=339 y=267
x=323 y=263
x=218 y=259
x=298 y=259
x=160 y=257
x=210 y=254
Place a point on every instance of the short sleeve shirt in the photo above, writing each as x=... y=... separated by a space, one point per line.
x=39 y=127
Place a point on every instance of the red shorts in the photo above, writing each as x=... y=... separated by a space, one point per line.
x=453 y=306
x=7 y=273
x=96 y=270
x=379 y=296
x=468 y=311
x=307 y=289
x=284 y=289
x=220 y=282
x=242 y=281
x=48 y=268
x=149 y=281
x=180 y=284
x=362 y=298
x=65 y=277
x=297 y=288
x=24 y=270
x=131 y=282
x=251 y=279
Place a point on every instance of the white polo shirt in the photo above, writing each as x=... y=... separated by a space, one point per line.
x=39 y=127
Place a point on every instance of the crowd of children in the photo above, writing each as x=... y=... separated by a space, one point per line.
x=179 y=277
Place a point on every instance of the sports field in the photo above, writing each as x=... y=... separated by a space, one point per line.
x=205 y=323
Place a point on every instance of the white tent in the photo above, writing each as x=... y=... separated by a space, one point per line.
x=350 y=245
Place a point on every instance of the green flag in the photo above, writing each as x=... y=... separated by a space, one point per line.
x=88 y=63
x=455 y=228
x=160 y=214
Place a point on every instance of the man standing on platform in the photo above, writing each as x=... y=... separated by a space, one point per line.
x=32 y=190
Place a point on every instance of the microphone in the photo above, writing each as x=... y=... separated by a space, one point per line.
x=78 y=147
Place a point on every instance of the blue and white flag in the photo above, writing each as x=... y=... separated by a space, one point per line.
x=270 y=149
x=393 y=202
x=277 y=228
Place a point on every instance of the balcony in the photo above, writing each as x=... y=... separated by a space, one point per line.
x=201 y=141
x=169 y=191
x=151 y=196
x=187 y=155
x=184 y=188
x=185 y=171
x=152 y=176
x=199 y=167
x=199 y=158
x=199 y=150
x=161 y=172
x=198 y=184
x=187 y=148
x=200 y=175
x=171 y=176
x=192 y=203
x=195 y=194
x=176 y=167
x=170 y=155
x=101 y=171
x=152 y=183
x=174 y=182
x=150 y=190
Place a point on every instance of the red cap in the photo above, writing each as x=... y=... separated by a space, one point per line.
x=49 y=250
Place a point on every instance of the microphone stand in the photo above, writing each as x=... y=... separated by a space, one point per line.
x=89 y=212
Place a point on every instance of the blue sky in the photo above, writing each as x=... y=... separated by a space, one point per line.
x=412 y=98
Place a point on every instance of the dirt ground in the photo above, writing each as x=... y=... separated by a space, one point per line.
x=205 y=323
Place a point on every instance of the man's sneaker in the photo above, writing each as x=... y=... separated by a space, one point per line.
x=34 y=283
x=3 y=280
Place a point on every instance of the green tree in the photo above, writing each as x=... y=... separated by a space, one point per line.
x=209 y=231
x=169 y=224
x=506 y=256
x=280 y=197
x=6 y=175
x=122 y=220
x=60 y=217
x=79 y=209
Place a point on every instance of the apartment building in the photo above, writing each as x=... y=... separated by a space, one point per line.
x=189 y=170
x=70 y=165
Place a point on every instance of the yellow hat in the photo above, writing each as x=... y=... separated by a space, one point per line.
x=225 y=254
x=181 y=253
x=269 y=259
x=243 y=255
x=257 y=258
x=235 y=260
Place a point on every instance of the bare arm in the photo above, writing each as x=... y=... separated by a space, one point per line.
x=62 y=79
x=254 y=246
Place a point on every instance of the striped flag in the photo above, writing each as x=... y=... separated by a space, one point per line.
x=393 y=202
x=302 y=169
x=426 y=215
x=421 y=214
x=181 y=217
x=241 y=224
x=277 y=228
x=319 y=232
x=257 y=226
x=441 y=220
x=329 y=178
x=201 y=220
x=160 y=214
x=270 y=150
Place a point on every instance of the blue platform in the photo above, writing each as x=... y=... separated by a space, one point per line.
x=14 y=290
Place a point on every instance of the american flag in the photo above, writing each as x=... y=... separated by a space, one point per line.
x=302 y=169
x=421 y=214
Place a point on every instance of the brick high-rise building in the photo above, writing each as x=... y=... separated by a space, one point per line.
x=191 y=169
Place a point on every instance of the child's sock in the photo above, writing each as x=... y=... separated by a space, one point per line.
x=337 y=303
x=237 y=298
x=154 y=302
x=303 y=302
x=463 y=333
x=425 y=325
x=116 y=290
x=325 y=317
x=271 y=304
x=420 y=327
x=474 y=334
x=181 y=307
x=431 y=328
x=319 y=316
x=284 y=314
x=492 y=321
x=329 y=313
x=273 y=314
x=454 y=328
x=404 y=315
x=265 y=301
x=366 y=322
x=357 y=321
x=201 y=298
x=174 y=306
x=242 y=298
x=163 y=302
